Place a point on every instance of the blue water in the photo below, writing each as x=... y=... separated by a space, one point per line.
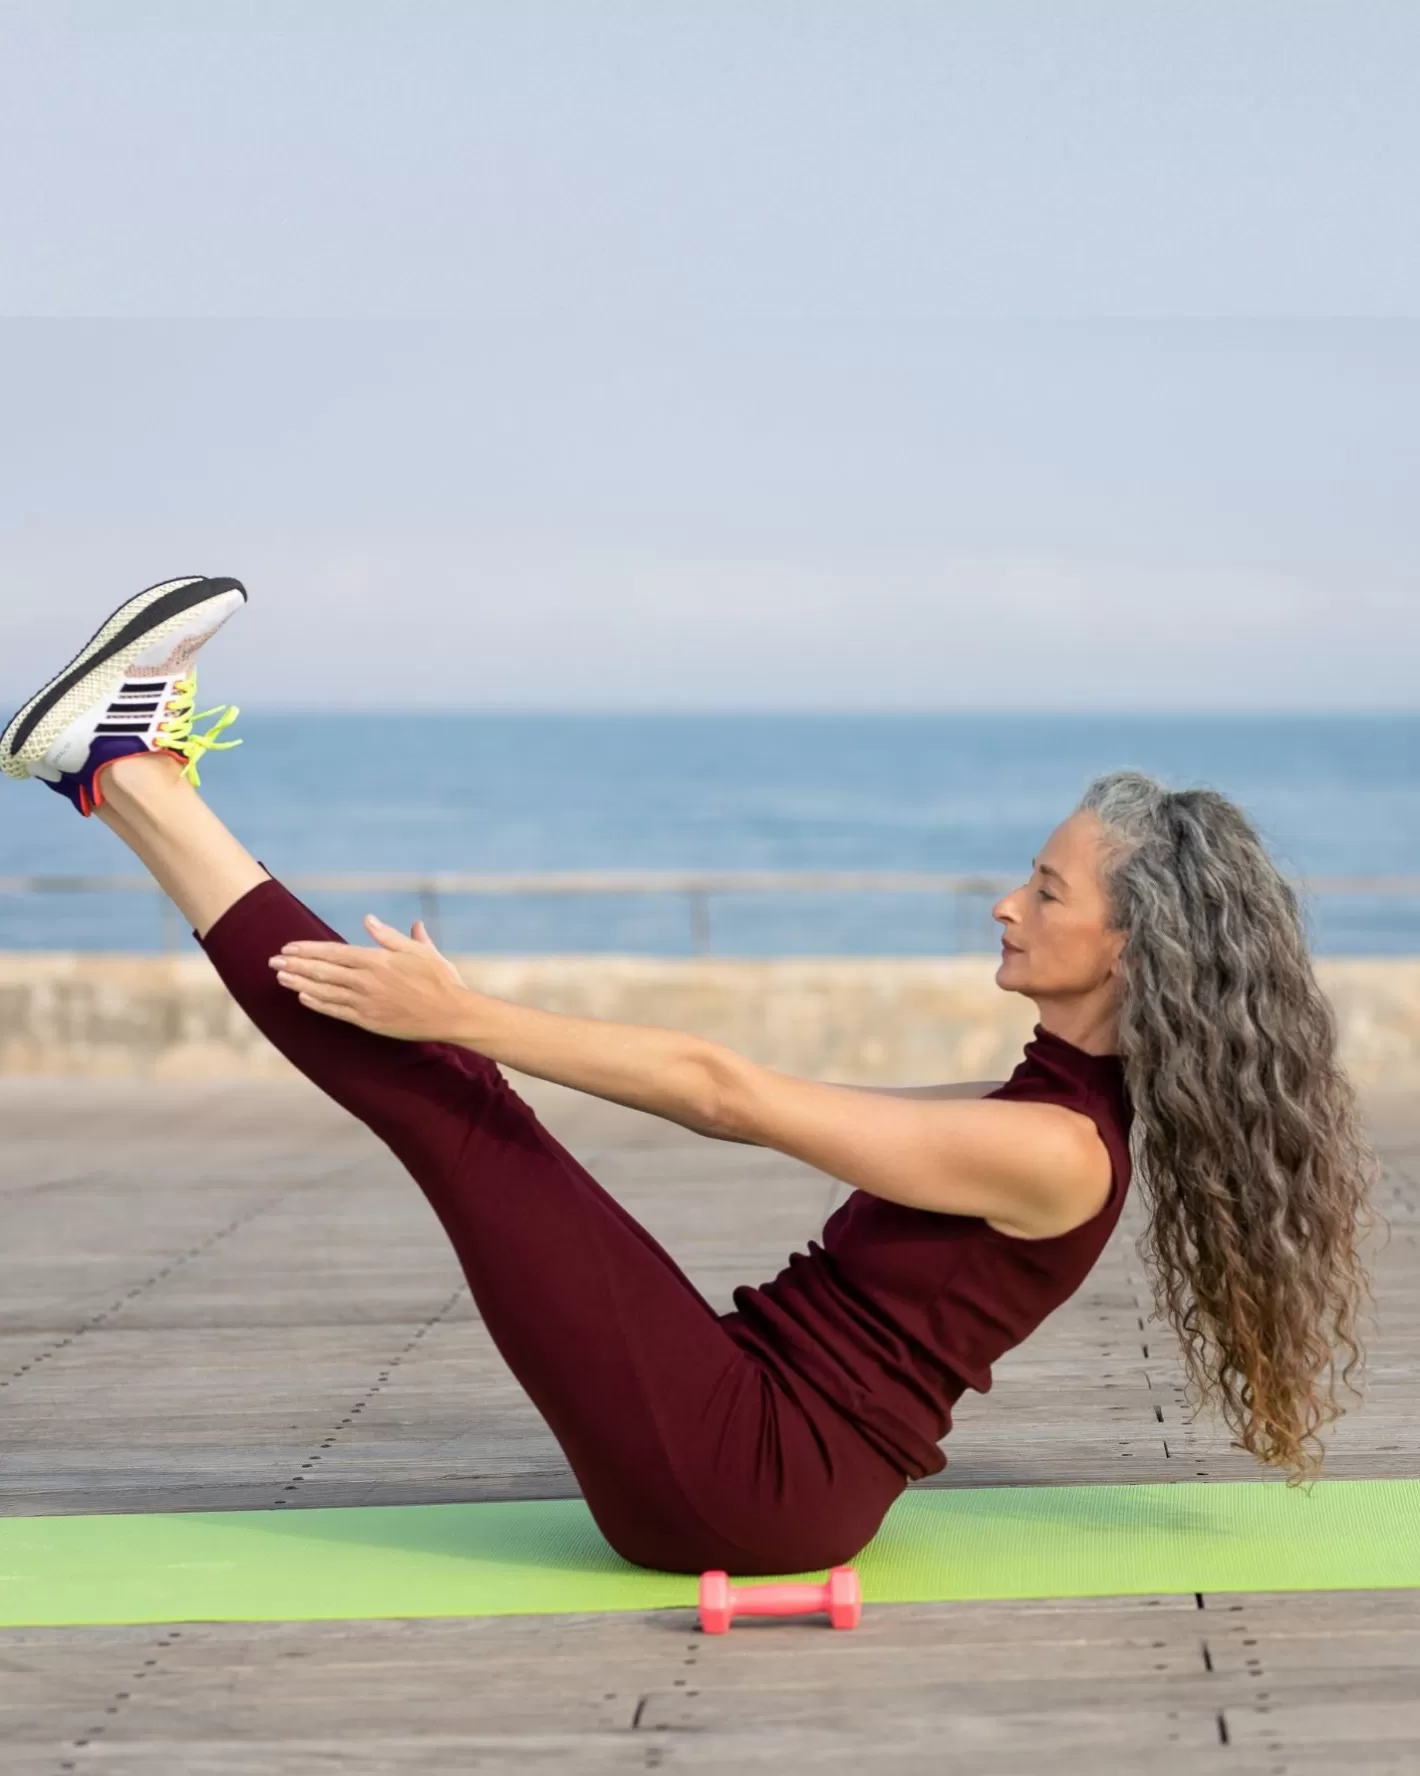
x=1330 y=794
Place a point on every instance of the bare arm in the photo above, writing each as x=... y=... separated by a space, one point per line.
x=407 y=990
x=1027 y=1168
x=968 y=1088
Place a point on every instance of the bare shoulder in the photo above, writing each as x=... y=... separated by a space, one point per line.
x=1077 y=1192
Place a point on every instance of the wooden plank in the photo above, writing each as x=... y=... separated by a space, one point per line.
x=167 y=1251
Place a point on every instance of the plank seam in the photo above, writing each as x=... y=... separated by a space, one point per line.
x=382 y=1377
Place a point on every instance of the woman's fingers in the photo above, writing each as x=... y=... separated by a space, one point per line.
x=318 y=950
x=387 y=936
x=325 y=991
x=330 y=1001
x=309 y=969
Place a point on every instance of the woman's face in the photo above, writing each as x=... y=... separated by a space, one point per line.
x=1056 y=922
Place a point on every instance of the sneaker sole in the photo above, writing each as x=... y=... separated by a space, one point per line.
x=101 y=664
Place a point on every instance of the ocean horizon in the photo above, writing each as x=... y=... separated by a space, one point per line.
x=503 y=792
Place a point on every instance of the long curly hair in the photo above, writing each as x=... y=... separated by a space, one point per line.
x=1247 y=1139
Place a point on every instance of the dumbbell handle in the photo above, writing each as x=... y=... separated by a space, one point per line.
x=778 y=1600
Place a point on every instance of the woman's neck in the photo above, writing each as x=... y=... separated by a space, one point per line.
x=1082 y=1027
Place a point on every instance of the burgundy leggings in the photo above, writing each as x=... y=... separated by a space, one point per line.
x=689 y=1452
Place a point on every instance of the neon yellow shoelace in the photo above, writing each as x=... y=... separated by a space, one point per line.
x=175 y=733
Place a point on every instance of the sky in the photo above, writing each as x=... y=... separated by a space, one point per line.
x=869 y=356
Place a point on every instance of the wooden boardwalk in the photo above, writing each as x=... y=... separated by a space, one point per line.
x=224 y=1297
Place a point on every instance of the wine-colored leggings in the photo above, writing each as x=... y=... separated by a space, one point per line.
x=690 y=1454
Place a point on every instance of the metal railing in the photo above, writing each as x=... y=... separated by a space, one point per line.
x=430 y=890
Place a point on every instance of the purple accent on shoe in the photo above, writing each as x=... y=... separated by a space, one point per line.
x=79 y=785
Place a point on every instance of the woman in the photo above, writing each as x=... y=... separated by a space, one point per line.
x=1179 y=1015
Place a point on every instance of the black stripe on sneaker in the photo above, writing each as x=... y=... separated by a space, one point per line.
x=171 y=604
x=121 y=728
x=133 y=708
x=144 y=690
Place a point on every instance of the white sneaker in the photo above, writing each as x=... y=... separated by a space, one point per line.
x=130 y=689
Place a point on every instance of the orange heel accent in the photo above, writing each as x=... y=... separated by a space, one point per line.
x=108 y=764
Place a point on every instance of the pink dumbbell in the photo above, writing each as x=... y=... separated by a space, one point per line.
x=720 y=1602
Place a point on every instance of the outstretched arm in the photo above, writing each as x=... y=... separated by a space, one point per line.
x=406 y=989
x=1026 y=1167
x=968 y=1088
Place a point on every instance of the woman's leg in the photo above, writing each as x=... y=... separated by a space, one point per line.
x=193 y=858
x=205 y=870
x=688 y=1454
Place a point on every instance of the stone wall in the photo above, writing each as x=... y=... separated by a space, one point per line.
x=861 y=1020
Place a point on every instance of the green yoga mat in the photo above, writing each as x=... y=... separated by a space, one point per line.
x=547 y=1556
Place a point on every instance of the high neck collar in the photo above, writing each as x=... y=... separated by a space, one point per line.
x=1049 y=1039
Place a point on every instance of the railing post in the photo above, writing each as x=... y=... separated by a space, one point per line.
x=699 y=921
x=429 y=911
x=172 y=926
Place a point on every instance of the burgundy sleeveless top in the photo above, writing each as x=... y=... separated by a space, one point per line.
x=900 y=1310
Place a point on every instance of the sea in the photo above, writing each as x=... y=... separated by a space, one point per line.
x=527 y=792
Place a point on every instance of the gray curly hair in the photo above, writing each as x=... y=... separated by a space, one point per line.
x=1247 y=1138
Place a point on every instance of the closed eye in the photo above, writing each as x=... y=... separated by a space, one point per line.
x=1044 y=896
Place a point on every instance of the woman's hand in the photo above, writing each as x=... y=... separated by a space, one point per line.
x=406 y=988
